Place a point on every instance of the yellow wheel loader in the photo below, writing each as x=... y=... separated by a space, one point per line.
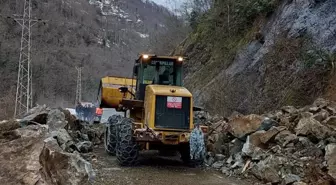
x=158 y=110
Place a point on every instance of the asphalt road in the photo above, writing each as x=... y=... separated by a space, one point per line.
x=154 y=170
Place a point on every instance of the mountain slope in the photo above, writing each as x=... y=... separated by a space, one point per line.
x=251 y=56
x=103 y=36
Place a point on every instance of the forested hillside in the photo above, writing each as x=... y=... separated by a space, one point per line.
x=102 y=36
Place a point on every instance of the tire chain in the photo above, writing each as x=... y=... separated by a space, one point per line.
x=127 y=149
x=110 y=138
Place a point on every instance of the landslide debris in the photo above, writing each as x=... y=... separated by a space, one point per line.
x=288 y=146
x=46 y=147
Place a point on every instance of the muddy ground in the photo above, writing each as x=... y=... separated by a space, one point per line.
x=154 y=169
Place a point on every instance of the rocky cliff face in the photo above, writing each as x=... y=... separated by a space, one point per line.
x=253 y=57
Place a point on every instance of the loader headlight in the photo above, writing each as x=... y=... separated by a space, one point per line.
x=180 y=59
x=145 y=56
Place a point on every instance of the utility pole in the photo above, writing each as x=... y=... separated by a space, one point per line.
x=24 y=100
x=79 y=85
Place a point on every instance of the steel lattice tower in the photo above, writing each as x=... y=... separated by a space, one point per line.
x=79 y=85
x=24 y=89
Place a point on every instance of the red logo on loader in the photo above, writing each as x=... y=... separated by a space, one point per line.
x=174 y=102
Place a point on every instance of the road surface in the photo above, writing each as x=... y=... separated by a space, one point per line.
x=106 y=113
x=154 y=170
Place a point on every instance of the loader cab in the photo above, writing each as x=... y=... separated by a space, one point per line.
x=159 y=70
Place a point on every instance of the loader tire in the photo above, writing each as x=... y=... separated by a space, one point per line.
x=127 y=148
x=110 y=137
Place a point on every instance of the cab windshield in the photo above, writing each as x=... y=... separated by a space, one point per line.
x=162 y=74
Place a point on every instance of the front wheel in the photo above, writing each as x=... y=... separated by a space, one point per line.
x=127 y=150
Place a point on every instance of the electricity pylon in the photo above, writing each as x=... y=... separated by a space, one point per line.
x=79 y=85
x=24 y=100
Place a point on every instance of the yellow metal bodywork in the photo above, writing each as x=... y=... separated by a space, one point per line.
x=167 y=136
x=150 y=94
x=110 y=94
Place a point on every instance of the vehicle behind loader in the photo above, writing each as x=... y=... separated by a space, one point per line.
x=158 y=110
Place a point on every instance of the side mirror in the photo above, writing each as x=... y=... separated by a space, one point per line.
x=123 y=89
x=135 y=70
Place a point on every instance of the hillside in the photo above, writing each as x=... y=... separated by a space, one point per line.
x=102 y=36
x=253 y=56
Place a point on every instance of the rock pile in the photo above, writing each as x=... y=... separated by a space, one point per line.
x=288 y=146
x=45 y=147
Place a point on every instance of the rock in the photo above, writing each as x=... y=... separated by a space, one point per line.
x=238 y=161
x=320 y=102
x=299 y=183
x=267 y=170
x=314 y=109
x=267 y=124
x=221 y=145
x=331 y=121
x=235 y=146
x=321 y=116
x=8 y=125
x=64 y=140
x=56 y=120
x=19 y=158
x=330 y=157
x=85 y=146
x=331 y=110
x=210 y=161
x=306 y=114
x=218 y=164
x=64 y=168
x=291 y=178
x=289 y=109
x=310 y=126
x=71 y=119
x=285 y=137
x=270 y=134
x=241 y=126
x=251 y=149
x=225 y=170
x=37 y=114
x=220 y=157
x=255 y=139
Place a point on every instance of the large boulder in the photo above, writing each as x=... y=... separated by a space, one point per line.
x=64 y=168
x=268 y=170
x=56 y=120
x=19 y=158
x=32 y=155
x=37 y=114
x=242 y=126
x=312 y=127
x=330 y=157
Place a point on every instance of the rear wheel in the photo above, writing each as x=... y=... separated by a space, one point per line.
x=110 y=137
x=186 y=158
x=127 y=150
